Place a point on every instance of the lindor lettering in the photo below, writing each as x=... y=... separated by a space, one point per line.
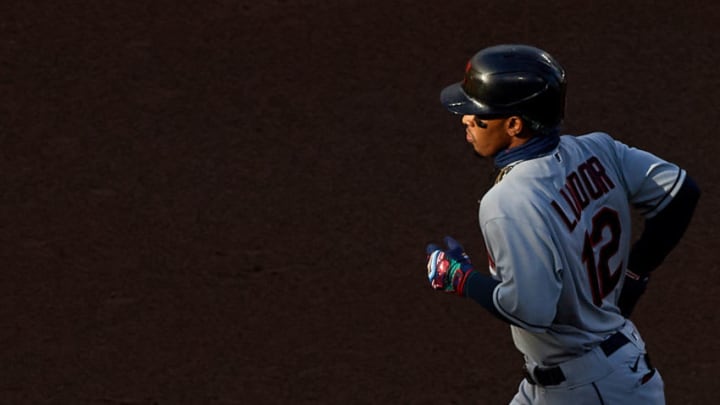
x=586 y=183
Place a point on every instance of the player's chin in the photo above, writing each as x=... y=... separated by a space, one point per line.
x=480 y=152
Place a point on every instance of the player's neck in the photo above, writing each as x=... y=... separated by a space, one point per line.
x=535 y=147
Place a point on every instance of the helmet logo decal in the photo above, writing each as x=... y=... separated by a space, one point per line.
x=466 y=78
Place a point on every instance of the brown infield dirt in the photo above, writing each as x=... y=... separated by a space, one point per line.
x=227 y=202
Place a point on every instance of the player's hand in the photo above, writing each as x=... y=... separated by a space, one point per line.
x=448 y=269
x=633 y=287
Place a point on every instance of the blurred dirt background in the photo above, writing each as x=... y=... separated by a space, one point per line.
x=227 y=202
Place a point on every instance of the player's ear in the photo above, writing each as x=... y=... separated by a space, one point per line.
x=514 y=125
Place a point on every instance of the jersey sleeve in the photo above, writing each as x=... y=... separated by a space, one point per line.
x=524 y=262
x=651 y=181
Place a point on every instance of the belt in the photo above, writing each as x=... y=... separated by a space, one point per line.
x=554 y=375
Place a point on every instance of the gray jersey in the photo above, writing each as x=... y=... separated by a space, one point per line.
x=558 y=235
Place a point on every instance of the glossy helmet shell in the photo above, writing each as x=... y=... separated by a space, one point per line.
x=506 y=80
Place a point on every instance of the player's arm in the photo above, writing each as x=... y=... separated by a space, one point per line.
x=661 y=234
x=666 y=196
x=514 y=298
x=524 y=261
x=481 y=287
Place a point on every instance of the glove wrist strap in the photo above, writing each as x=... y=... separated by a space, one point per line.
x=460 y=290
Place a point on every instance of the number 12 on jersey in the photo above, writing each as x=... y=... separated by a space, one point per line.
x=602 y=279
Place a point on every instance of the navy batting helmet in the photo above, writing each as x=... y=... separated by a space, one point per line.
x=507 y=80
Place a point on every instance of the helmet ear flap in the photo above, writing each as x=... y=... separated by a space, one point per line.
x=538 y=127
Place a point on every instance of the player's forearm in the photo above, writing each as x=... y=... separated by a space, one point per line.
x=480 y=288
x=664 y=231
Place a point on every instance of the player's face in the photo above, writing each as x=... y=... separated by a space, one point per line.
x=488 y=137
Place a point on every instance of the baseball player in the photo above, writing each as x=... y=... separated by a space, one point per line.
x=557 y=229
